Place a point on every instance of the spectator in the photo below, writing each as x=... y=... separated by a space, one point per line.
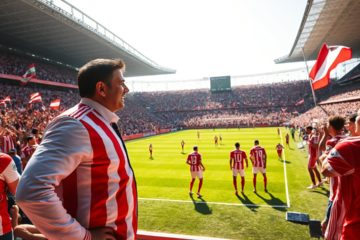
x=16 y=160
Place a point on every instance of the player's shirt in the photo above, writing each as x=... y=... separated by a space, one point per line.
x=279 y=147
x=287 y=138
x=198 y=133
x=238 y=156
x=313 y=153
x=330 y=144
x=150 y=148
x=182 y=143
x=258 y=153
x=215 y=139
x=195 y=161
x=7 y=143
x=345 y=218
x=8 y=174
x=27 y=151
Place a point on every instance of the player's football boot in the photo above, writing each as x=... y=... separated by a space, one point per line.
x=254 y=190
x=242 y=191
x=199 y=195
x=236 y=192
x=191 y=193
x=312 y=187
x=266 y=190
x=320 y=184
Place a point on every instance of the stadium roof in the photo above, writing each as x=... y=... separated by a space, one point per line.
x=334 y=22
x=67 y=35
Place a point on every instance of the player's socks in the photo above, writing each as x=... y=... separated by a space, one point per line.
x=242 y=184
x=235 y=183
x=265 y=182
x=236 y=192
x=200 y=185
x=312 y=177
x=254 y=182
x=192 y=184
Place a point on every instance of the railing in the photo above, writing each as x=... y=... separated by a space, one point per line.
x=89 y=23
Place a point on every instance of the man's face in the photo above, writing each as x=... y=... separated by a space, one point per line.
x=308 y=131
x=357 y=122
x=115 y=96
x=351 y=128
x=32 y=141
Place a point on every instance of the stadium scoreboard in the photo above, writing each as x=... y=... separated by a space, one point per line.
x=220 y=83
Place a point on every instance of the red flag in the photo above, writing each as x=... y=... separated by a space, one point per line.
x=7 y=99
x=35 y=97
x=300 y=102
x=329 y=57
x=2 y=103
x=30 y=73
x=55 y=104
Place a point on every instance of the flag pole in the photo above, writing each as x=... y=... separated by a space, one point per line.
x=307 y=68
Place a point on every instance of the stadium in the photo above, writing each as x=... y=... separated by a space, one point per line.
x=167 y=124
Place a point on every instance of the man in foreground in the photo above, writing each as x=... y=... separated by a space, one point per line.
x=343 y=162
x=258 y=159
x=80 y=175
x=334 y=126
x=196 y=169
x=237 y=158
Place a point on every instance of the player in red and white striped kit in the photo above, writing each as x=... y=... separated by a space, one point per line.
x=313 y=143
x=238 y=156
x=258 y=158
x=216 y=141
x=278 y=130
x=150 y=150
x=9 y=178
x=279 y=149
x=182 y=145
x=287 y=139
x=196 y=169
x=334 y=127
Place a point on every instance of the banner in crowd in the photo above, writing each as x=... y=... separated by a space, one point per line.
x=55 y=104
x=35 y=97
x=30 y=73
x=7 y=99
x=300 y=102
x=329 y=57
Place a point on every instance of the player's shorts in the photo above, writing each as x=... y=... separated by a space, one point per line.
x=215 y=141
x=150 y=151
x=279 y=153
x=198 y=174
x=287 y=141
x=255 y=170
x=312 y=162
x=238 y=171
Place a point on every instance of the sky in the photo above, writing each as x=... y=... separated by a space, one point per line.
x=201 y=38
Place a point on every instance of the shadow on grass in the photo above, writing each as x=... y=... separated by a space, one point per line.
x=245 y=200
x=284 y=161
x=273 y=201
x=327 y=192
x=201 y=206
x=183 y=153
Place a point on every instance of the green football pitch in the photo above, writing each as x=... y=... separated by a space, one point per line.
x=166 y=176
x=163 y=187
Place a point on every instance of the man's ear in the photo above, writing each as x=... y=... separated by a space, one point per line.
x=100 y=88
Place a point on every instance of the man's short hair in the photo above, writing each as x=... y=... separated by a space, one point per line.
x=256 y=141
x=98 y=70
x=195 y=148
x=237 y=145
x=28 y=138
x=352 y=117
x=34 y=131
x=309 y=127
x=337 y=122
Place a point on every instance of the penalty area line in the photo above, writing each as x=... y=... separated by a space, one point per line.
x=217 y=203
x=286 y=184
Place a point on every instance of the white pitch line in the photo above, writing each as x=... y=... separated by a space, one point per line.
x=218 y=203
x=286 y=184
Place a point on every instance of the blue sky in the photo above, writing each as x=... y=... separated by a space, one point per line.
x=204 y=38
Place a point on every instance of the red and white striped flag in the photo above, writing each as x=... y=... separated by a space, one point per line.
x=30 y=73
x=329 y=57
x=7 y=99
x=55 y=104
x=35 y=97
x=2 y=103
x=300 y=102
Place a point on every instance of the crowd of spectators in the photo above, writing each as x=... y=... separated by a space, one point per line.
x=18 y=65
